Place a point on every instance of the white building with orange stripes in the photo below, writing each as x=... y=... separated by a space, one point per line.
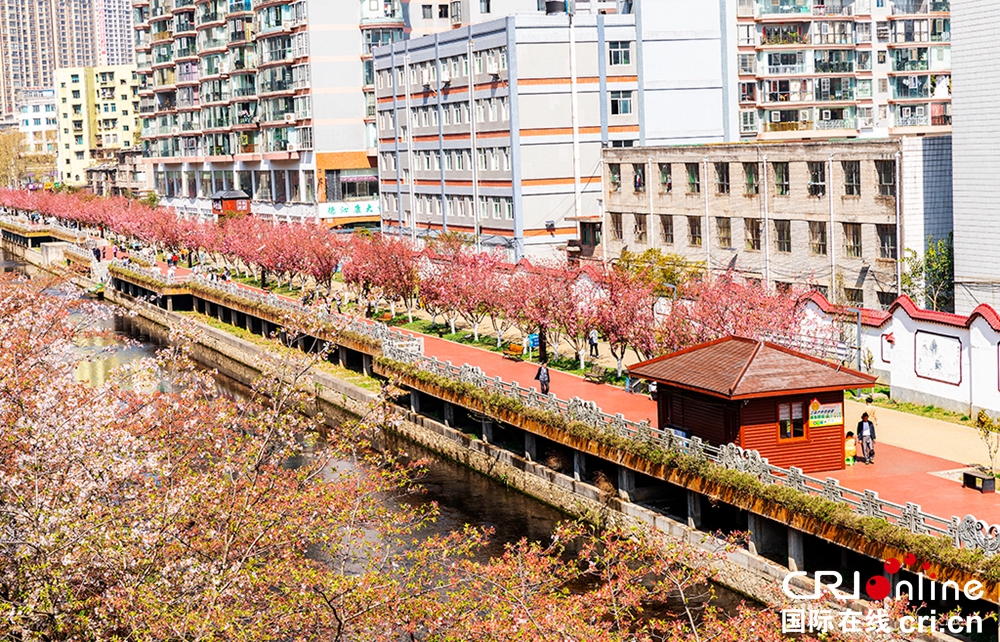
x=516 y=163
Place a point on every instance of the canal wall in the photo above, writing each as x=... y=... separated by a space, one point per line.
x=240 y=360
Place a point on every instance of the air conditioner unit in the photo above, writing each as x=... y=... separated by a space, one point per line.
x=291 y=147
x=492 y=68
x=289 y=118
x=425 y=77
x=175 y=130
x=826 y=114
x=775 y=116
x=445 y=76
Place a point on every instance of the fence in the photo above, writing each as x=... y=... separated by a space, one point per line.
x=967 y=532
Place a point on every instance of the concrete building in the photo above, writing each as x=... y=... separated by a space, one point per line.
x=517 y=164
x=976 y=164
x=36 y=38
x=830 y=215
x=98 y=115
x=38 y=121
x=843 y=68
x=124 y=175
x=113 y=32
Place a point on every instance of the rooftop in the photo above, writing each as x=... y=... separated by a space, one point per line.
x=741 y=368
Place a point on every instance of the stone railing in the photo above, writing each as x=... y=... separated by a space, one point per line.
x=967 y=532
x=395 y=344
x=152 y=274
x=81 y=254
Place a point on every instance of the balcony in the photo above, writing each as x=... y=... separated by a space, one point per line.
x=834 y=95
x=834 y=67
x=905 y=7
x=784 y=38
x=783 y=7
x=792 y=126
x=836 y=123
x=913 y=120
x=833 y=10
x=781 y=70
x=160 y=36
x=909 y=65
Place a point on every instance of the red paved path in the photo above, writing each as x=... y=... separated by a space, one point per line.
x=899 y=475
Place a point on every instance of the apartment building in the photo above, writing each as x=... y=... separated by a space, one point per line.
x=812 y=69
x=113 y=32
x=38 y=121
x=977 y=138
x=515 y=163
x=97 y=109
x=826 y=214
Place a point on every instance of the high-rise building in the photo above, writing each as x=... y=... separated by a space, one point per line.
x=976 y=163
x=39 y=36
x=275 y=98
x=516 y=161
x=843 y=68
x=113 y=32
x=98 y=116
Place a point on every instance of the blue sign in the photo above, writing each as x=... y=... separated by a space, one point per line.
x=533 y=340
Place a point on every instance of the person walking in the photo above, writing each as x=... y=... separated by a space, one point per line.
x=592 y=338
x=870 y=409
x=543 y=377
x=866 y=433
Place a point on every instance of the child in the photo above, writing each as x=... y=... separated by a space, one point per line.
x=850 y=449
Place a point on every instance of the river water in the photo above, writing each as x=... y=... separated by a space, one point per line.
x=463 y=496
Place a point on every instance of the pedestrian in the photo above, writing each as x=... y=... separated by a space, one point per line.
x=170 y=274
x=850 y=449
x=337 y=299
x=870 y=409
x=652 y=390
x=592 y=338
x=543 y=377
x=866 y=432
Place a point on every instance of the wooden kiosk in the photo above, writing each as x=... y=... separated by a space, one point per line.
x=787 y=405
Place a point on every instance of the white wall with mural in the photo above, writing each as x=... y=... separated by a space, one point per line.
x=927 y=357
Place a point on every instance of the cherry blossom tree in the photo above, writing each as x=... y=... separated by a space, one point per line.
x=624 y=309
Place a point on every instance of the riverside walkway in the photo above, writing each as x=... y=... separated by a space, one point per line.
x=905 y=468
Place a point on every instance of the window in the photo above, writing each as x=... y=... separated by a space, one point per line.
x=854 y=296
x=484 y=6
x=748 y=92
x=748 y=64
x=882 y=57
x=817 y=237
x=428 y=11
x=750 y=185
x=666 y=183
x=886 y=177
x=619 y=52
x=885 y=299
x=694 y=230
x=852 y=240
x=615 y=176
x=667 y=229
x=781 y=183
x=722 y=178
x=616 y=226
x=886 y=241
x=621 y=103
x=639 y=177
x=817 y=178
x=852 y=177
x=783 y=235
x=724 y=228
x=694 y=179
x=791 y=421
x=442 y=11
x=751 y=232
x=882 y=31
x=640 y=228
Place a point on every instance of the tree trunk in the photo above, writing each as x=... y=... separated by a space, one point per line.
x=263 y=278
x=582 y=364
x=543 y=352
x=409 y=313
x=452 y=320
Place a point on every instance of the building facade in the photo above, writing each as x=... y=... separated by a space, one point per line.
x=40 y=126
x=113 y=32
x=976 y=165
x=515 y=163
x=98 y=115
x=823 y=214
x=843 y=68
x=36 y=38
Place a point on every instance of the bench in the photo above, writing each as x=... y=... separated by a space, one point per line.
x=979 y=481
x=386 y=317
x=514 y=351
x=596 y=374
